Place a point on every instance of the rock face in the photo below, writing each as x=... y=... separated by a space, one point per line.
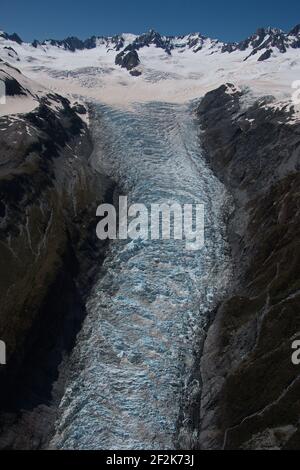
x=12 y=86
x=151 y=38
x=12 y=37
x=251 y=389
x=265 y=55
x=75 y=44
x=128 y=60
x=49 y=253
x=11 y=53
x=264 y=40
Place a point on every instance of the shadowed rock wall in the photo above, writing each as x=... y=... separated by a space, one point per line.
x=49 y=254
x=251 y=389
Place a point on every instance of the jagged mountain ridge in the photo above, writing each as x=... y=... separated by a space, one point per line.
x=262 y=43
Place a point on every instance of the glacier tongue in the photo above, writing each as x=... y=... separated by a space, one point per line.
x=131 y=367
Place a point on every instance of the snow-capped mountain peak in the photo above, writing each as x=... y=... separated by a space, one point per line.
x=261 y=44
x=265 y=41
x=11 y=37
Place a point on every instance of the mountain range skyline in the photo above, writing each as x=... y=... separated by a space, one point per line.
x=85 y=42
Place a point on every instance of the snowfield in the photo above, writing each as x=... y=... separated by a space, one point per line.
x=177 y=77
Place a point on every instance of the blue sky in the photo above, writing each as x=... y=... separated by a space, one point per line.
x=225 y=20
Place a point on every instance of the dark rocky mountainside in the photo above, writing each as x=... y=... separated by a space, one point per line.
x=12 y=86
x=49 y=254
x=251 y=389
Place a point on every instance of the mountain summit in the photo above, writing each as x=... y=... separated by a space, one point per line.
x=265 y=40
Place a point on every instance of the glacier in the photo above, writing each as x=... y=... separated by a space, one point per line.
x=131 y=369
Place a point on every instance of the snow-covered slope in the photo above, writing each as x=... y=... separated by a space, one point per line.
x=21 y=93
x=129 y=68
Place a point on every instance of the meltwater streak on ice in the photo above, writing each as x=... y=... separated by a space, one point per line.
x=135 y=352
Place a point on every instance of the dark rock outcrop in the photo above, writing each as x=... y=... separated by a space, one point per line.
x=35 y=43
x=266 y=55
x=127 y=59
x=117 y=42
x=73 y=43
x=251 y=389
x=295 y=31
x=12 y=37
x=154 y=38
x=135 y=73
x=79 y=108
x=13 y=87
x=12 y=54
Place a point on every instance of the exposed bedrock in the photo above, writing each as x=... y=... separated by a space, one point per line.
x=128 y=60
x=251 y=389
x=49 y=253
